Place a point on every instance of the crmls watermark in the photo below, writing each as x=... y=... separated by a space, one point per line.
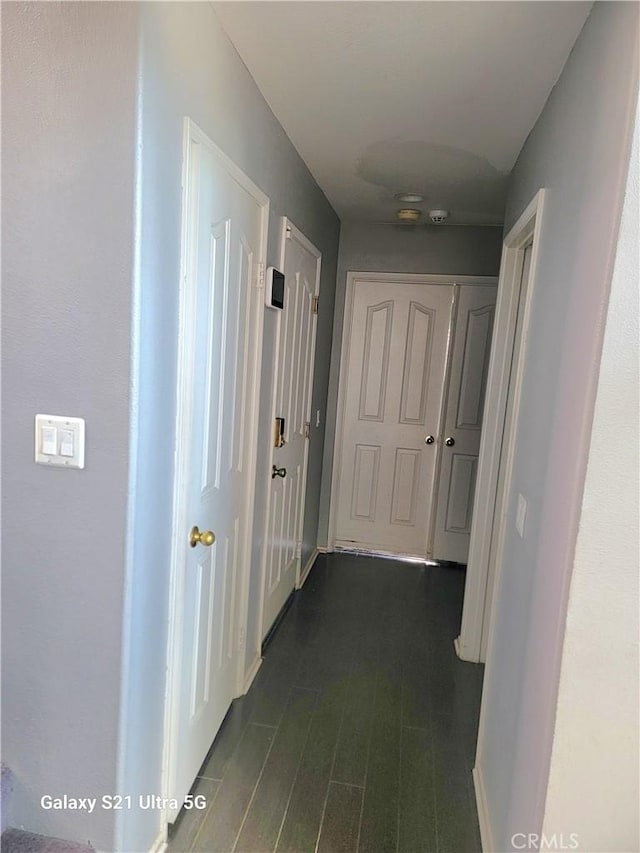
x=534 y=841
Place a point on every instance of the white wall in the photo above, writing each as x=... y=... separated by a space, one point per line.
x=579 y=151
x=68 y=154
x=449 y=250
x=189 y=67
x=593 y=781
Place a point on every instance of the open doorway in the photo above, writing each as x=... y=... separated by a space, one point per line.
x=493 y=499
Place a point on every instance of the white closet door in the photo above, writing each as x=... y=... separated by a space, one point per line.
x=392 y=404
x=463 y=421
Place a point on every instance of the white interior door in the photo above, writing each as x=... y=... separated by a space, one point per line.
x=392 y=403
x=463 y=421
x=300 y=262
x=221 y=322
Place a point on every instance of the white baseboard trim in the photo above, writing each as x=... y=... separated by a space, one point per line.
x=461 y=651
x=483 y=812
x=251 y=674
x=304 y=574
x=458 y=647
x=324 y=549
x=160 y=844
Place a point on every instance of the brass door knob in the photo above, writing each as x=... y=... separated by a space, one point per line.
x=206 y=538
x=429 y=439
x=449 y=441
x=278 y=472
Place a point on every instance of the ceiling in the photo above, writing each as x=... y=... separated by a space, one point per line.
x=380 y=98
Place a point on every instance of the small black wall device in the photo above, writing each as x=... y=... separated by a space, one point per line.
x=274 y=288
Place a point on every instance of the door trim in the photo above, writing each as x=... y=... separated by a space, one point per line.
x=184 y=401
x=488 y=509
x=390 y=278
x=286 y=225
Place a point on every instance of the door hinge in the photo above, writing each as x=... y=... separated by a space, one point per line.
x=288 y=234
x=307 y=429
x=260 y=279
x=314 y=304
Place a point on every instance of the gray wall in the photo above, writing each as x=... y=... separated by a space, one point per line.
x=449 y=250
x=94 y=97
x=596 y=754
x=68 y=110
x=579 y=150
x=190 y=68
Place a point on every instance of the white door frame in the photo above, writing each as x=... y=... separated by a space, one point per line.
x=286 y=225
x=389 y=278
x=184 y=399
x=487 y=528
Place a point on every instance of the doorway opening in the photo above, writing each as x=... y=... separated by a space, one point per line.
x=506 y=370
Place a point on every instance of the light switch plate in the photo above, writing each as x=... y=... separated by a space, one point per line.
x=521 y=515
x=59 y=441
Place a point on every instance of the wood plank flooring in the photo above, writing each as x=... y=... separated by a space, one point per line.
x=358 y=733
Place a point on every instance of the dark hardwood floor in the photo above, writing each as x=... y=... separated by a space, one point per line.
x=358 y=733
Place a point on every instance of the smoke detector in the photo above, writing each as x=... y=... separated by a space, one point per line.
x=438 y=217
x=409 y=214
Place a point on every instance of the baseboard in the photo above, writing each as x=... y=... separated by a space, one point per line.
x=304 y=574
x=458 y=647
x=463 y=653
x=251 y=674
x=5 y=801
x=160 y=845
x=483 y=812
x=324 y=549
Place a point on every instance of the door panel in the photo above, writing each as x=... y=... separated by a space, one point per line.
x=461 y=491
x=375 y=361
x=463 y=421
x=392 y=401
x=223 y=243
x=405 y=486
x=416 y=364
x=294 y=384
x=365 y=482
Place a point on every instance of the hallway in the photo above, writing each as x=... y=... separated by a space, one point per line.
x=358 y=732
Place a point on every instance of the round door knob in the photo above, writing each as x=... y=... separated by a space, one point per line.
x=429 y=439
x=278 y=472
x=449 y=441
x=206 y=538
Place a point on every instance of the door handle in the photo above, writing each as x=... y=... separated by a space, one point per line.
x=278 y=472
x=450 y=441
x=206 y=538
x=429 y=439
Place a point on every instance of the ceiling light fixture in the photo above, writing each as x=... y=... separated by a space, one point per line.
x=409 y=214
x=410 y=198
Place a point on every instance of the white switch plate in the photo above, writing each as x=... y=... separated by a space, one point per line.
x=521 y=515
x=59 y=441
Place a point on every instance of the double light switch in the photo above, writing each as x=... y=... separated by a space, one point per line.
x=59 y=441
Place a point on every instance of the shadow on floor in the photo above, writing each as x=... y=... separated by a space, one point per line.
x=358 y=733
